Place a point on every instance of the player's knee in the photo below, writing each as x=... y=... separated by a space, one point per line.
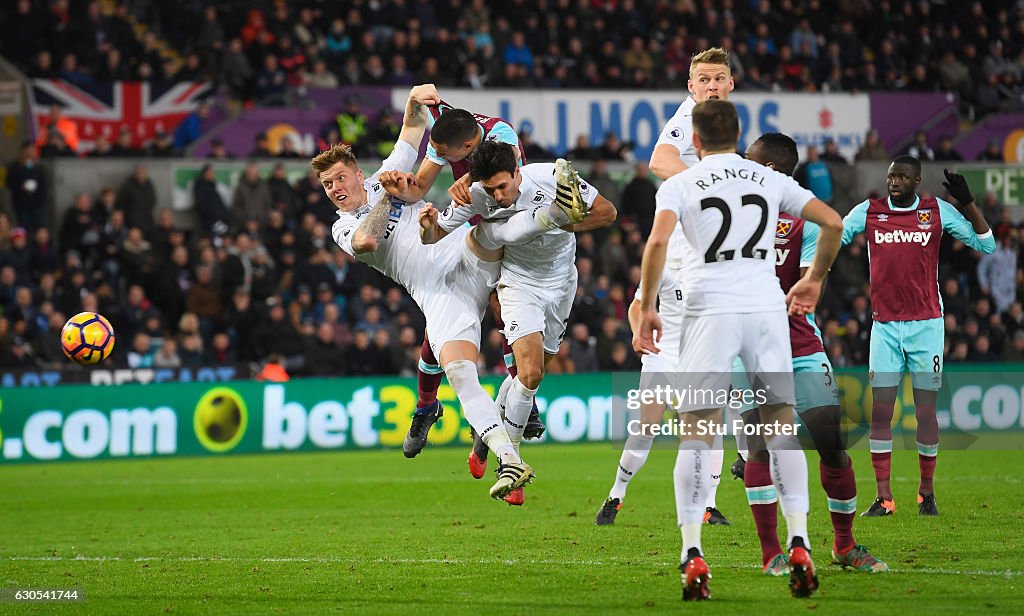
x=530 y=376
x=834 y=458
x=460 y=373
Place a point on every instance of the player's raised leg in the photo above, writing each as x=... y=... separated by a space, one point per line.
x=459 y=360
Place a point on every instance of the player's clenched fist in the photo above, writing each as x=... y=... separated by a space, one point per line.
x=425 y=94
x=460 y=191
x=428 y=216
x=396 y=182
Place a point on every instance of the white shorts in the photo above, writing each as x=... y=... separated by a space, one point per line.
x=530 y=309
x=455 y=299
x=670 y=310
x=711 y=344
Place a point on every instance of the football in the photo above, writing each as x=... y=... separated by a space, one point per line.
x=87 y=338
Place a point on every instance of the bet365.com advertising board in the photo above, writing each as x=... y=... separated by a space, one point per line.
x=83 y=422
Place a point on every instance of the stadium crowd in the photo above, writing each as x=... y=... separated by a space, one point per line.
x=268 y=51
x=269 y=283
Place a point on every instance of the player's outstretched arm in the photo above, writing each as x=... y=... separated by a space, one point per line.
x=665 y=161
x=602 y=213
x=369 y=233
x=979 y=235
x=414 y=122
x=803 y=296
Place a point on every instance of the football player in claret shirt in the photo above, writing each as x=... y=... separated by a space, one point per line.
x=903 y=233
x=817 y=397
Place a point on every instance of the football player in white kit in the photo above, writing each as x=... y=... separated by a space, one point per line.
x=710 y=79
x=450 y=283
x=734 y=307
x=538 y=278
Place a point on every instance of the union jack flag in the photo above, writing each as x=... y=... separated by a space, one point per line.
x=104 y=108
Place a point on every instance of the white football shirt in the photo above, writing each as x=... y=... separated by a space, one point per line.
x=678 y=133
x=398 y=252
x=729 y=208
x=547 y=259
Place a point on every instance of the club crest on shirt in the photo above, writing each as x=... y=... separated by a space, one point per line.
x=537 y=198
x=783 y=228
x=925 y=218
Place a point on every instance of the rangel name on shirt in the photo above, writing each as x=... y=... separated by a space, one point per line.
x=731 y=174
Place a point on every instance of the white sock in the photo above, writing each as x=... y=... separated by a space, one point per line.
x=518 y=229
x=735 y=421
x=517 y=410
x=502 y=398
x=481 y=412
x=692 y=477
x=717 y=461
x=634 y=454
x=789 y=474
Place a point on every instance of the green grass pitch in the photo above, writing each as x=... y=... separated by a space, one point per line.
x=372 y=532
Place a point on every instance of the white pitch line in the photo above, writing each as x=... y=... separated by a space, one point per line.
x=1006 y=573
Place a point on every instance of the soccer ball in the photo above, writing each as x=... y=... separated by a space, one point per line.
x=87 y=338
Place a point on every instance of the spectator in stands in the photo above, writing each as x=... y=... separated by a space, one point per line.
x=124 y=146
x=323 y=356
x=277 y=335
x=206 y=199
x=27 y=183
x=271 y=83
x=993 y=152
x=604 y=183
x=218 y=151
x=946 y=151
x=353 y=125
x=191 y=128
x=814 y=175
x=71 y=72
x=320 y=76
x=137 y=199
x=162 y=146
x=638 y=199
x=42 y=256
x=252 y=199
x=582 y=150
x=57 y=121
x=612 y=148
x=516 y=53
x=919 y=147
x=997 y=272
x=832 y=153
x=237 y=72
x=534 y=151
x=992 y=210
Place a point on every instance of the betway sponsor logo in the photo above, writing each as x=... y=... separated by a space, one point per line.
x=903 y=237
